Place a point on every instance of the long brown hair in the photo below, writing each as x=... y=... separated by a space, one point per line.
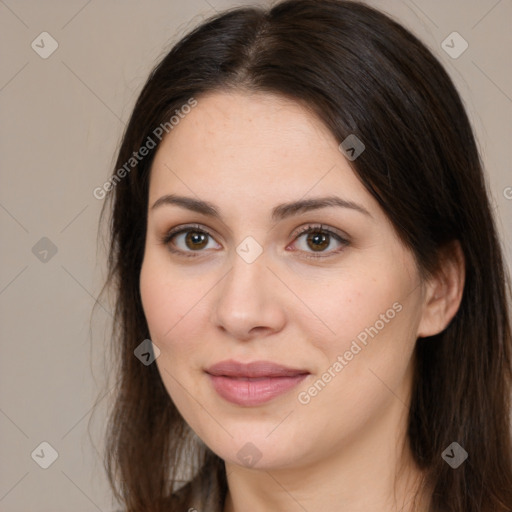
x=361 y=73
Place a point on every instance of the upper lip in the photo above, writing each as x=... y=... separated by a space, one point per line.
x=231 y=368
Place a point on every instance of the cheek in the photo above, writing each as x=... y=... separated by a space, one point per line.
x=163 y=299
x=173 y=310
x=369 y=363
x=166 y=304
x=154 y=299
x=360 y=306
x=372 y=320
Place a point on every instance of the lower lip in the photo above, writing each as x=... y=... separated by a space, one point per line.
x=251 y=392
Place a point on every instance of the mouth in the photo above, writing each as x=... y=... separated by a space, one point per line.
x=254 y=383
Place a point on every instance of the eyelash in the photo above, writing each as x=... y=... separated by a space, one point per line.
x=167 y=237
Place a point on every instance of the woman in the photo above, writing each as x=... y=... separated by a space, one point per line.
x=300 y=225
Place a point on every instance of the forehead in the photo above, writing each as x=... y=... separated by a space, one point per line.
x=241 y=124
x=252 y=147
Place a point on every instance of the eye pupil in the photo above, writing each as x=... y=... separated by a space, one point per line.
x=198 y=240
x=320 y=241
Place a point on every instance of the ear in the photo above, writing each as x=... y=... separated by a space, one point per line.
x=443 y=291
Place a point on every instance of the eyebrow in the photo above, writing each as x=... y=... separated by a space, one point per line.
x=280 y=212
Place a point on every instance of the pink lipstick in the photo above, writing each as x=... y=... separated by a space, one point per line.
x=253 y=383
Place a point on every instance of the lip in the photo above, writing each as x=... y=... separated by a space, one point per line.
x=254 y=369
x=250 y=384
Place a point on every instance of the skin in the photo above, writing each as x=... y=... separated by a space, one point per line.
x=346 y=449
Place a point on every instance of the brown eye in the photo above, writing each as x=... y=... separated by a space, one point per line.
x=317 y=239
x=196 y=240
x=188 y=240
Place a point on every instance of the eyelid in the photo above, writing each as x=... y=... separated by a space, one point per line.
x=181 y=228
x=319 y=227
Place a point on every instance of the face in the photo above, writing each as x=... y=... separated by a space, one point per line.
x=342 y=303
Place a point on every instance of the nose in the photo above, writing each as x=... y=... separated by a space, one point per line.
x=249 y=301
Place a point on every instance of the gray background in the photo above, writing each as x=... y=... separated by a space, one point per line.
x=62 y=119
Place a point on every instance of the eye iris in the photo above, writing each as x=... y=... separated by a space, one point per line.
x=196 y=238
x=322 y=238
